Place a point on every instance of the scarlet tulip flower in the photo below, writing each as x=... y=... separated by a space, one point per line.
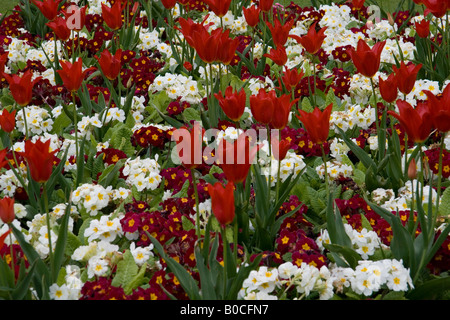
x=232 y=103
x=76 y=17
x=110 y=64
x=3 y=160
x=189 y=27
x=316 y=123
x=417 y=122
x=39 y=159
x=423 y=28
x=3 y=237
x=222 y=202
x=229 y=47
x=262 y=105
x=21 y=87
x=265 y=5
x=278 y=55
x=73 y=75
x=280 y=32
x=189 y=145
x=8 y=120
x=291 y=77
x=219 y=7
x=388 y=88
x=3 y=60
x=236 y=158
x=440 y=109
x=358 y=4
x=437 y=8
x=7 y=213
x=113 y=15
x=313 y=40
x=252 y=15
x=49 y=8
x=60 y=28
x=406 y=76
x=282 y=109
x=169 y=4
x=365 y=59
x=280 y=148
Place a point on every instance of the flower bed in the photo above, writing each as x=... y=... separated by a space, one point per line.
x=229 y=150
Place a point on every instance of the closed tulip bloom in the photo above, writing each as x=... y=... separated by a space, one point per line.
x=189 y=27
x=291 y=77
x=265 y=5
x=251 y=15
x=76 y=17
x=207 y=45
x=423 y=28
x=417 y=122
x=219 y=7
x=39 y=158
x=169 y=4
x=406 y=76
x=313 y=40
x=388 y=88
x=280 y=32
x=282 y=109
x=72 y=74
x=49 y=8
x=280 y=148
x=60 y=28
x=440 y=109
x=21 y=87
x=7 y=213
x=262 y=106
x=232 y=103
x=316 y=123
x=189 y=145
x=235 y=158
x=8 y=120
x=358 y=4
x=229 y=47
x=278 y=55
x=222 y=202
x=367 y=60
x=110 y=64
x=113 y=15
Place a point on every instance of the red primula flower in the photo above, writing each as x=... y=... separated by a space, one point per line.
x=416 y=122
x=313 y=40
x=73 y=75
x=21 y=87
x=110 y=64
x=365 y=59
x=49 y=8
x=8 y=120
x=113 y=15
x=39 y=158
x=222 y=202
x=317 y=123
x=232 y=103
x=7 y=213
x=406 y=76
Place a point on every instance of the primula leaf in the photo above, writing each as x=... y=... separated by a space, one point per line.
x=126 y=270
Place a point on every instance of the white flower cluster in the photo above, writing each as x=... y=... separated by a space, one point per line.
x=335 y=169
x=353 y=116
x=177 y=86
x=371 y=276
x=236 y=25
x=38 y=119
x=364 y=242
x=338 y=149
x=142 y=173
x=107 y=228
x=137 y=108
x=9 y=181
x=91 y=197
x=17 y=51
x=71 y=288
x=263 y=284
x=292 y=164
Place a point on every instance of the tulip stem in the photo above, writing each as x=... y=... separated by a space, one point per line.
x=49 y=230
x=76 y=132
x=197 y=216
x=12 y=253
x=440 y=174
x=324 y=158
x=225 y=259
x=25 y=122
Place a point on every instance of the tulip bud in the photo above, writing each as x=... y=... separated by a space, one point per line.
x=412 y=170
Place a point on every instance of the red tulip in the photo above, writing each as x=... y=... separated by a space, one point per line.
x=3 y=160
x=388 y=88
x=278 y=55
x=437 y=8
x=7 y=213
x=219 y=7
x=73 y=75
x=313 y=40
x=423 y=28
x=280 y=148
x=280 y=33
x=3 y=60
x=189 y=145
x=440 y=109
x=169 y=4
x=110 y=64
x=49 y=8
x=291 y=77
x=235 y=159
x=262 y=106
x=233 y=103
x=251 y=15
x=3 y=237
x=416 y=122
x=282 y=109
x=189 y=28
x=358 y=4
x=21 y=87
x=8 y=120
x=60 y=28
x=265 y=5
x=76 y=17
x=39 y=159
x=222 y=202
x=365 y=59
x=317 y=123
x=406 y=76
x=229 y=47
x=113 y=15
